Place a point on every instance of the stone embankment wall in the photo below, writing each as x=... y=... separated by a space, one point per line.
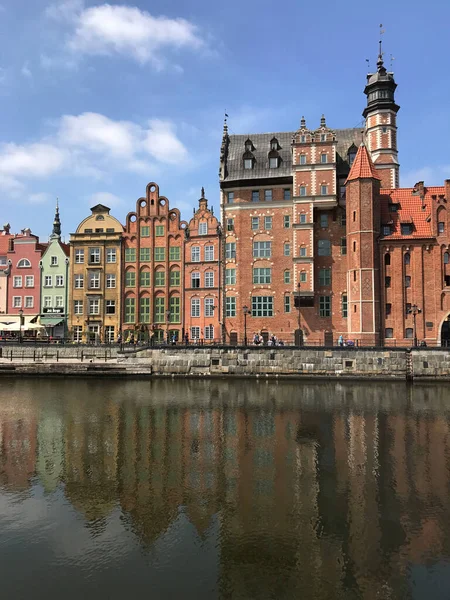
x=355 y=363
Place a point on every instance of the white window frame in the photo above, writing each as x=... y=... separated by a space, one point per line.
x=79 y=256
x=77 y=333
x=203 y=228
x=27 y=303
x=109 y=304
x=324 y=189
x=195 y=276
x=17 y=301
x=111 y=255
x=59 y=301
x=17 y=281
x=209 y=253
x=323 y=158
x=24 y=263
x=59 y=278
x=209 y=279
x=209 y=332
x=29 y=281
x=230 y=276
x=195 y=307
x=195 y=333
x=195 y=254
x=53 y=261
x=48 y=281
x=94 y=256
x=209 y=307
x=110 y=279
x=303 y=190
x=94 y=281
x=78 y=307
x=268 y=222
x=78 y=281
x=48 y=301
x=94 y=306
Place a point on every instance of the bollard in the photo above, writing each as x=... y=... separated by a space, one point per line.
x=57 y=356
x=82 y=356
x=34 y=355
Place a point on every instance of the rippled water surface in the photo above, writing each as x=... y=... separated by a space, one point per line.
x=212 y=489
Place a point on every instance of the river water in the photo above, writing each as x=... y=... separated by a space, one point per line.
x=217 y=489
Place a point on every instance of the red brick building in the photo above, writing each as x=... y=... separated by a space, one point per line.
x=202 y=275
x=320 y=242
x=153 y=262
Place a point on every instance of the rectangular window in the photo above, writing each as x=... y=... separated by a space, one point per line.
x=144 y=309
x=94 y=306
x=195 y=333
x=255 y=196
x=160 y=278
x=230 y=250
x=209 y=307
x=323 y=158
x=17 y=301
x=388 y=309
x=195 y=254
x=248 y=163
x=406 y=228
x=78 y=307
x=230 y=306
x=209 y=332
x=94 y=256
x=344 y=306
x=53 y=261
x=407 y=308
x=47 y=281
x=343 y=219
x=273 y=162
x=287 y=277
x=323 y=137
x=79 y=256
x=48 y=302
x=230 y=197
x=59 y=280
x=130 y=278
x=303 y=251
x=441 y=227
x=109 y=334
x=145 y=231
x=389 y=333
x=110 y=307
x=267 y=195
x=195 y=307
x=209 y=279
x=393 y=207
x=387 y=282
x=286 y=194
x=303 y=218
x=175 y=278
x=130 y=254
x=99 y=230
x=325 y=306
x=287 y=249
x=160 y=309
x=29 y=281
x=144 y=254
x=160 y=254
x=287 y=304
x=324 y=248
x=324 y=277
x=130 y=310
x=77 y=333
x=303 y=190
x=209 y=253
x=323 y=190
x=386 y=229
x=79 y=282
x=94 y=281
x=230 y=224
x=267 y=222
x=88 y=230
x=203 y=228
x=303 y=277
x=175 y=309
x=343 y=246
x=262 y=249
x=159 y=230
x=255 y=223
x=407 y=281
x=262 y=276
x=303 y=139
x=409 y=333
x=262 y=306
x=29 y=301
x=17 y=281
x=110 y=281
x=230 y=276
x=110 y=255
x=144 y=279
x=303 y=159
x=323 y=220
x=286 y=221
x=195 y=279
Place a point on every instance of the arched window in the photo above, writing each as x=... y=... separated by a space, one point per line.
x=446 y=255
x=407 y=258
x=24 y=263
x=387 y=259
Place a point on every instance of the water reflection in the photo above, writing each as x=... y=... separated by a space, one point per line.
x=250 y=490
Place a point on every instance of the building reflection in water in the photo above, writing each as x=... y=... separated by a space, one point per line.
x=323 y=490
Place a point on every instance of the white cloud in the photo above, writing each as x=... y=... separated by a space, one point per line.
x=162 y=143
x=32 y=160
x=39 y=198
x=25 y=70
x=434 y=175
x=105 y=30
x=106 y=198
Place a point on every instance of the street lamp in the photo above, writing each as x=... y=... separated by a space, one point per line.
x=246 y=311
x=20 y=325
x=297 y=305
x=414 y=311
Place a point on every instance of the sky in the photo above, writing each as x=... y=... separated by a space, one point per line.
x=99 y=99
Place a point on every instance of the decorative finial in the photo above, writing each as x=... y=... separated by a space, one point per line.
x=203 y=193
x=322 y=121
x=380 y=64
x=303 y=122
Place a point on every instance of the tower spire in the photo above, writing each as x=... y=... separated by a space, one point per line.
x=56 y=222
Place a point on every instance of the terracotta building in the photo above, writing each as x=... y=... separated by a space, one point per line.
x=153 y=261
x=202 y=275
x=95 y=278
x=323 y=243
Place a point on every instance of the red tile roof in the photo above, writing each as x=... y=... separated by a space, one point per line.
x=411 y=210
x=362 y=167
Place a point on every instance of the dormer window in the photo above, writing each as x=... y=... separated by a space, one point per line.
x=351 y=154
x=249 y=146
x=323 y=137
x=274 y=144
x=393 y=207
x=406 y=228
x=24 y=263
x=303 y=139
x=386 y=229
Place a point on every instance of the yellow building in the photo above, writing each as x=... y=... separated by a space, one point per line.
x=95 y=278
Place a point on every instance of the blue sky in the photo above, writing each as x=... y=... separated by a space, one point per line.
x=99 y=99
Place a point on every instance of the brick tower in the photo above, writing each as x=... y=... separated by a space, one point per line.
x=381 y=124
x=363 y=230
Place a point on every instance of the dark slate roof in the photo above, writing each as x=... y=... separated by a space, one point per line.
x=261 y=142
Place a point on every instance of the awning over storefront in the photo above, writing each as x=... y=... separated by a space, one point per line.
x=51 y=321
x=12 y=323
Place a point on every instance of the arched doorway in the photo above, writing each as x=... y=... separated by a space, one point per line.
x=445 y=332
x=298 y=337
